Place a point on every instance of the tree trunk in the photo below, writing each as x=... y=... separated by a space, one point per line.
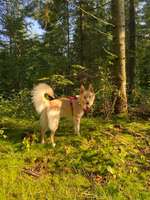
x=131 y=47
x=118 y=17
x=68 y=38
x=81 y=33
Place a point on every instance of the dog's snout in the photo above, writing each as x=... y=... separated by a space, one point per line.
x=87 y=103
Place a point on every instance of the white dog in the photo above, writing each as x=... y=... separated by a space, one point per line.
x=51 y=109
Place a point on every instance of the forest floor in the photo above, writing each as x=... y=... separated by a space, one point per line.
x=109 y=161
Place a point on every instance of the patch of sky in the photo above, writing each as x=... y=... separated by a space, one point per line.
x=33 y=28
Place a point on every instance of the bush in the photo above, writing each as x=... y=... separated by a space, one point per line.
x=18 y=105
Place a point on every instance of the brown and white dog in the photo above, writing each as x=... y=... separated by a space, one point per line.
x=51 y=109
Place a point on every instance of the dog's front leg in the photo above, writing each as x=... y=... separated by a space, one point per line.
x=77 y=125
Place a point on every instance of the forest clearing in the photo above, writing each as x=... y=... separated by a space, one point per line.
x=110 y=160
x=95 y=56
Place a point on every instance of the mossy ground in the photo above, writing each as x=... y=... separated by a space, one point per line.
x=110 y=160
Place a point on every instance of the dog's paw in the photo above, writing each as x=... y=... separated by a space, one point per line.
x=42 y=142
x=53 y=145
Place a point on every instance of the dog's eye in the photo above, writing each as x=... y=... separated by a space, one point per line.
x=84 y=97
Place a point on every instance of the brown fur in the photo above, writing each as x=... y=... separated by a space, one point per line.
x=52 y=111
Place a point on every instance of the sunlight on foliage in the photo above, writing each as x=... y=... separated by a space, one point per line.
x=108 y=161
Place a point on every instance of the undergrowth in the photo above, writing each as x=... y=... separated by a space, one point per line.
x=109 y=161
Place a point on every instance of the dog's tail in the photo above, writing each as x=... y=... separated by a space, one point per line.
x=41 y=95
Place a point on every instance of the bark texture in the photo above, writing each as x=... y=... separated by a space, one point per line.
x=118 y=18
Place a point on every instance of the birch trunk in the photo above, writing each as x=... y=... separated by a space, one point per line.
x=118 y=17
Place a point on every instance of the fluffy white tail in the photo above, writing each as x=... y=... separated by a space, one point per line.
x=39 y=100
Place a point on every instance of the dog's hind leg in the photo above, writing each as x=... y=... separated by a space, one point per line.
x=43 y=131
x=52 y=138
x=44 y=125
x=53 y=121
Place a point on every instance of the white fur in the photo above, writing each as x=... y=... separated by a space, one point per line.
x=51 y=111
x=53 y=119
x=39 y=101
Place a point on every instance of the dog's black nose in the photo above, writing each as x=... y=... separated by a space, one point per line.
x=87 y=103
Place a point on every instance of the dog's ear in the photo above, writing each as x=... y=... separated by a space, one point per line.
x=82 y=89
x=91 y=88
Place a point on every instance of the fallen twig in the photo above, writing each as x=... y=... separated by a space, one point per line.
x=30 y=172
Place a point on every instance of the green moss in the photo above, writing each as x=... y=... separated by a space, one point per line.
x=110 y=160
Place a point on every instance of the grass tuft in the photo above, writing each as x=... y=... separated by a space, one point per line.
x=110 y=160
